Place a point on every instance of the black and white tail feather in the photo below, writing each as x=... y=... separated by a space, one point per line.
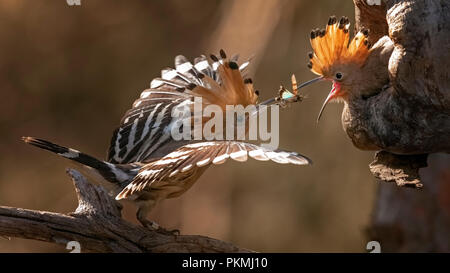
x=143 y=156
x=135 y=177
x=120 y=174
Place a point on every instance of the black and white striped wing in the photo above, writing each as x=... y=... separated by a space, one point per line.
x=186 y=76
x=145 y=127
x=189 y=157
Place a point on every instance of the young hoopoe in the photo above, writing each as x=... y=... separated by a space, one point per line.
x=144 y=161
x=357 y=70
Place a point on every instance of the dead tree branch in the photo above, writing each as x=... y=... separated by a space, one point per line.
x=98 y=226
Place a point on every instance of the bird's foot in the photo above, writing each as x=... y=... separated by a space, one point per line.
x=174 y=232
x=385 y=87
x=155 y=227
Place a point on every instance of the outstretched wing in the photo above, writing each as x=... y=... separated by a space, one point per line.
x=190 y=157
x=145 y=128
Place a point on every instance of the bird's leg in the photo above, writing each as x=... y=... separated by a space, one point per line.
x=385 y=87
x=144 y=207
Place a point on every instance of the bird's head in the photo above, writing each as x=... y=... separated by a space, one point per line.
x=336 y=58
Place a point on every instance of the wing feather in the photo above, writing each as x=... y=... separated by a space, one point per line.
x=144 y=128
x=202 y=154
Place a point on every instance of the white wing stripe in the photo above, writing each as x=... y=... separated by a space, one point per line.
x=153 y=132
x=239 y=156
x=187 y=168
x=244 y=66
x=183 y=68
x=202 y=65
x=221 y=159
x=147 y=122
x=215 y=65
x=200 y=144
x=203 y=162
x=156 y=83
x=258 y=154
x=131 y=136
x=169 y=75
x=116 y=146
x=145 y=94
x=159 y=118
x=174 y=173
x=170 y=160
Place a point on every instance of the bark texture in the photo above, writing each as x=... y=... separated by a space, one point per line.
x=403 y=169
x=410 y=220
x=97 y=226
x=412 y=116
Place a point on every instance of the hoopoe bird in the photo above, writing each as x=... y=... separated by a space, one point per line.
x=358 y=72
x=145 y=163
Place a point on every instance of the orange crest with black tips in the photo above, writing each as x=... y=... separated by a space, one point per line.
x=331 y=46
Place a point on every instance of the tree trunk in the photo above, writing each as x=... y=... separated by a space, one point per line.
x=412 y=220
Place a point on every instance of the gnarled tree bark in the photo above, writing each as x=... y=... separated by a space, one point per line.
x=414 y=118
x=97 y=226
x=406 y=220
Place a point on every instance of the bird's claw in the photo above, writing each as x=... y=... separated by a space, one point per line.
x=155 y=227
x=174 y=232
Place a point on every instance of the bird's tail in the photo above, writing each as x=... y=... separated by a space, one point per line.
x=111 y=172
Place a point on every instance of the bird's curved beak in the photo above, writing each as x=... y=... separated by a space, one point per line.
x=309 y=82
x=333 y=94
x=272 y=100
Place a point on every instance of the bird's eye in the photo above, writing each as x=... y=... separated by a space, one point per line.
x=338 y=76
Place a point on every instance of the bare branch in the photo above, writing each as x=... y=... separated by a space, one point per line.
x=98 y=227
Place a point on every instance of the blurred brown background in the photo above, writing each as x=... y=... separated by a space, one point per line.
x=69 y=73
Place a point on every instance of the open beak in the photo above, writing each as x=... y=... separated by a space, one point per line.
x=331 y=95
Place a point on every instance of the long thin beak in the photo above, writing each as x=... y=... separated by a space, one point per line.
x=330 y=96
x=272 y=100
x=268 y=102
x=309 y=82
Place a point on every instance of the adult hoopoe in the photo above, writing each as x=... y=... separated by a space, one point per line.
x=144 y=161
x=357 y=70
